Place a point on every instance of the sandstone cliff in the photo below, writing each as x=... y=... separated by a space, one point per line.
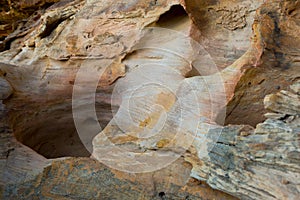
x=150 y=99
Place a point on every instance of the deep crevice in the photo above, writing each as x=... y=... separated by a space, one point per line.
x=50 y=27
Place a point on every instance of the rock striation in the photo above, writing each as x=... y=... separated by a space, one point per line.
x=260 y=163
x=86 y=86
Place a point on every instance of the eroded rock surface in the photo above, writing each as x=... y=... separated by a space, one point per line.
x=278 y=28
x=248 y=57
x=5 y=88
x=261 y=163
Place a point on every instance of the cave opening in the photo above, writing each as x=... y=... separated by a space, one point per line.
x=175 y=16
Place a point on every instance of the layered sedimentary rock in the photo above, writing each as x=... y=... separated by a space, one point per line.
x=128 y=100
x=14 y=14
x=261 y=163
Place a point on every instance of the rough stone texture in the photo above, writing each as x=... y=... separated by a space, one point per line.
x=27 y=175
x=40 y=60
x=261 y=163
x=278 y=27
x=14 y=14
x=225 y=27
x=5 y=88
x=84 y=178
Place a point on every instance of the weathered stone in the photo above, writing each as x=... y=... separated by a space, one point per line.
x=284 y=102
x=296 y=87
x=260 y=165
x=278 y=66
x=14 y=13
x=114 y=43
x=5 y=89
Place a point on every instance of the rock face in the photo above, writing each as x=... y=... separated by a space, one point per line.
x=261 y=163
x=5 y=88
x=278 y=29
x=14 y=14
x=128 y=99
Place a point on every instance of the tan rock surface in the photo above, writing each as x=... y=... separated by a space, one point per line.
x=150 y=81
x=277 y=25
